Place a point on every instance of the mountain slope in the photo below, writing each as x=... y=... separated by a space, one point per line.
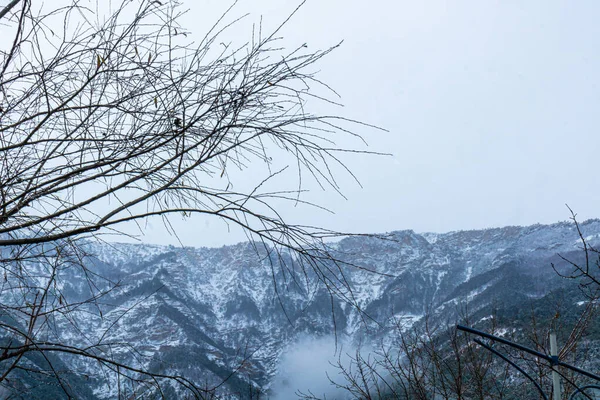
x=207 y=312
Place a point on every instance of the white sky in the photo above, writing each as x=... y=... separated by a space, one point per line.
x=492 y=108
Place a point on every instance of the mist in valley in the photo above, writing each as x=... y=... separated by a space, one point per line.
x=309 y=365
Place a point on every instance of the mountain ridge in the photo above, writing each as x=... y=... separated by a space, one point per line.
x=180 y=304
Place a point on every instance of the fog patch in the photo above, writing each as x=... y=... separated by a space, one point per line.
x=305 y=366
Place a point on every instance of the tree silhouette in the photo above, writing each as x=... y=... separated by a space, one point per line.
x=112 y=117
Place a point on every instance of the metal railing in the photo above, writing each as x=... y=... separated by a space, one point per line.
x=553 y=360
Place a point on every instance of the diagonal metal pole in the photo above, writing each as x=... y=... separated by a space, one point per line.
x=552 y=361
x=521 y=370
x=582 y=390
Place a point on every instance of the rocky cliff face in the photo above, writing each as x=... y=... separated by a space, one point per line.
x=207 y=311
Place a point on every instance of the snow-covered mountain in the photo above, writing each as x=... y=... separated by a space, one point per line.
x=205 y=312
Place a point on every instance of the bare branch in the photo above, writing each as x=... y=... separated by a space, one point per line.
x=8 y=7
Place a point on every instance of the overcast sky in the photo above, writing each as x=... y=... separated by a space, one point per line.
x=492 y=109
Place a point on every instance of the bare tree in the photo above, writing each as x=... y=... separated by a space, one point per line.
x=434 y=360
x=427 y=362
x=587 y=272
x=112 y=117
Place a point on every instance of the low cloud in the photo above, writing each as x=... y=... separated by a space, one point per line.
x=305 y=368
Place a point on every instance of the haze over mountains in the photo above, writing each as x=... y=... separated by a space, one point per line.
x=205 y=312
